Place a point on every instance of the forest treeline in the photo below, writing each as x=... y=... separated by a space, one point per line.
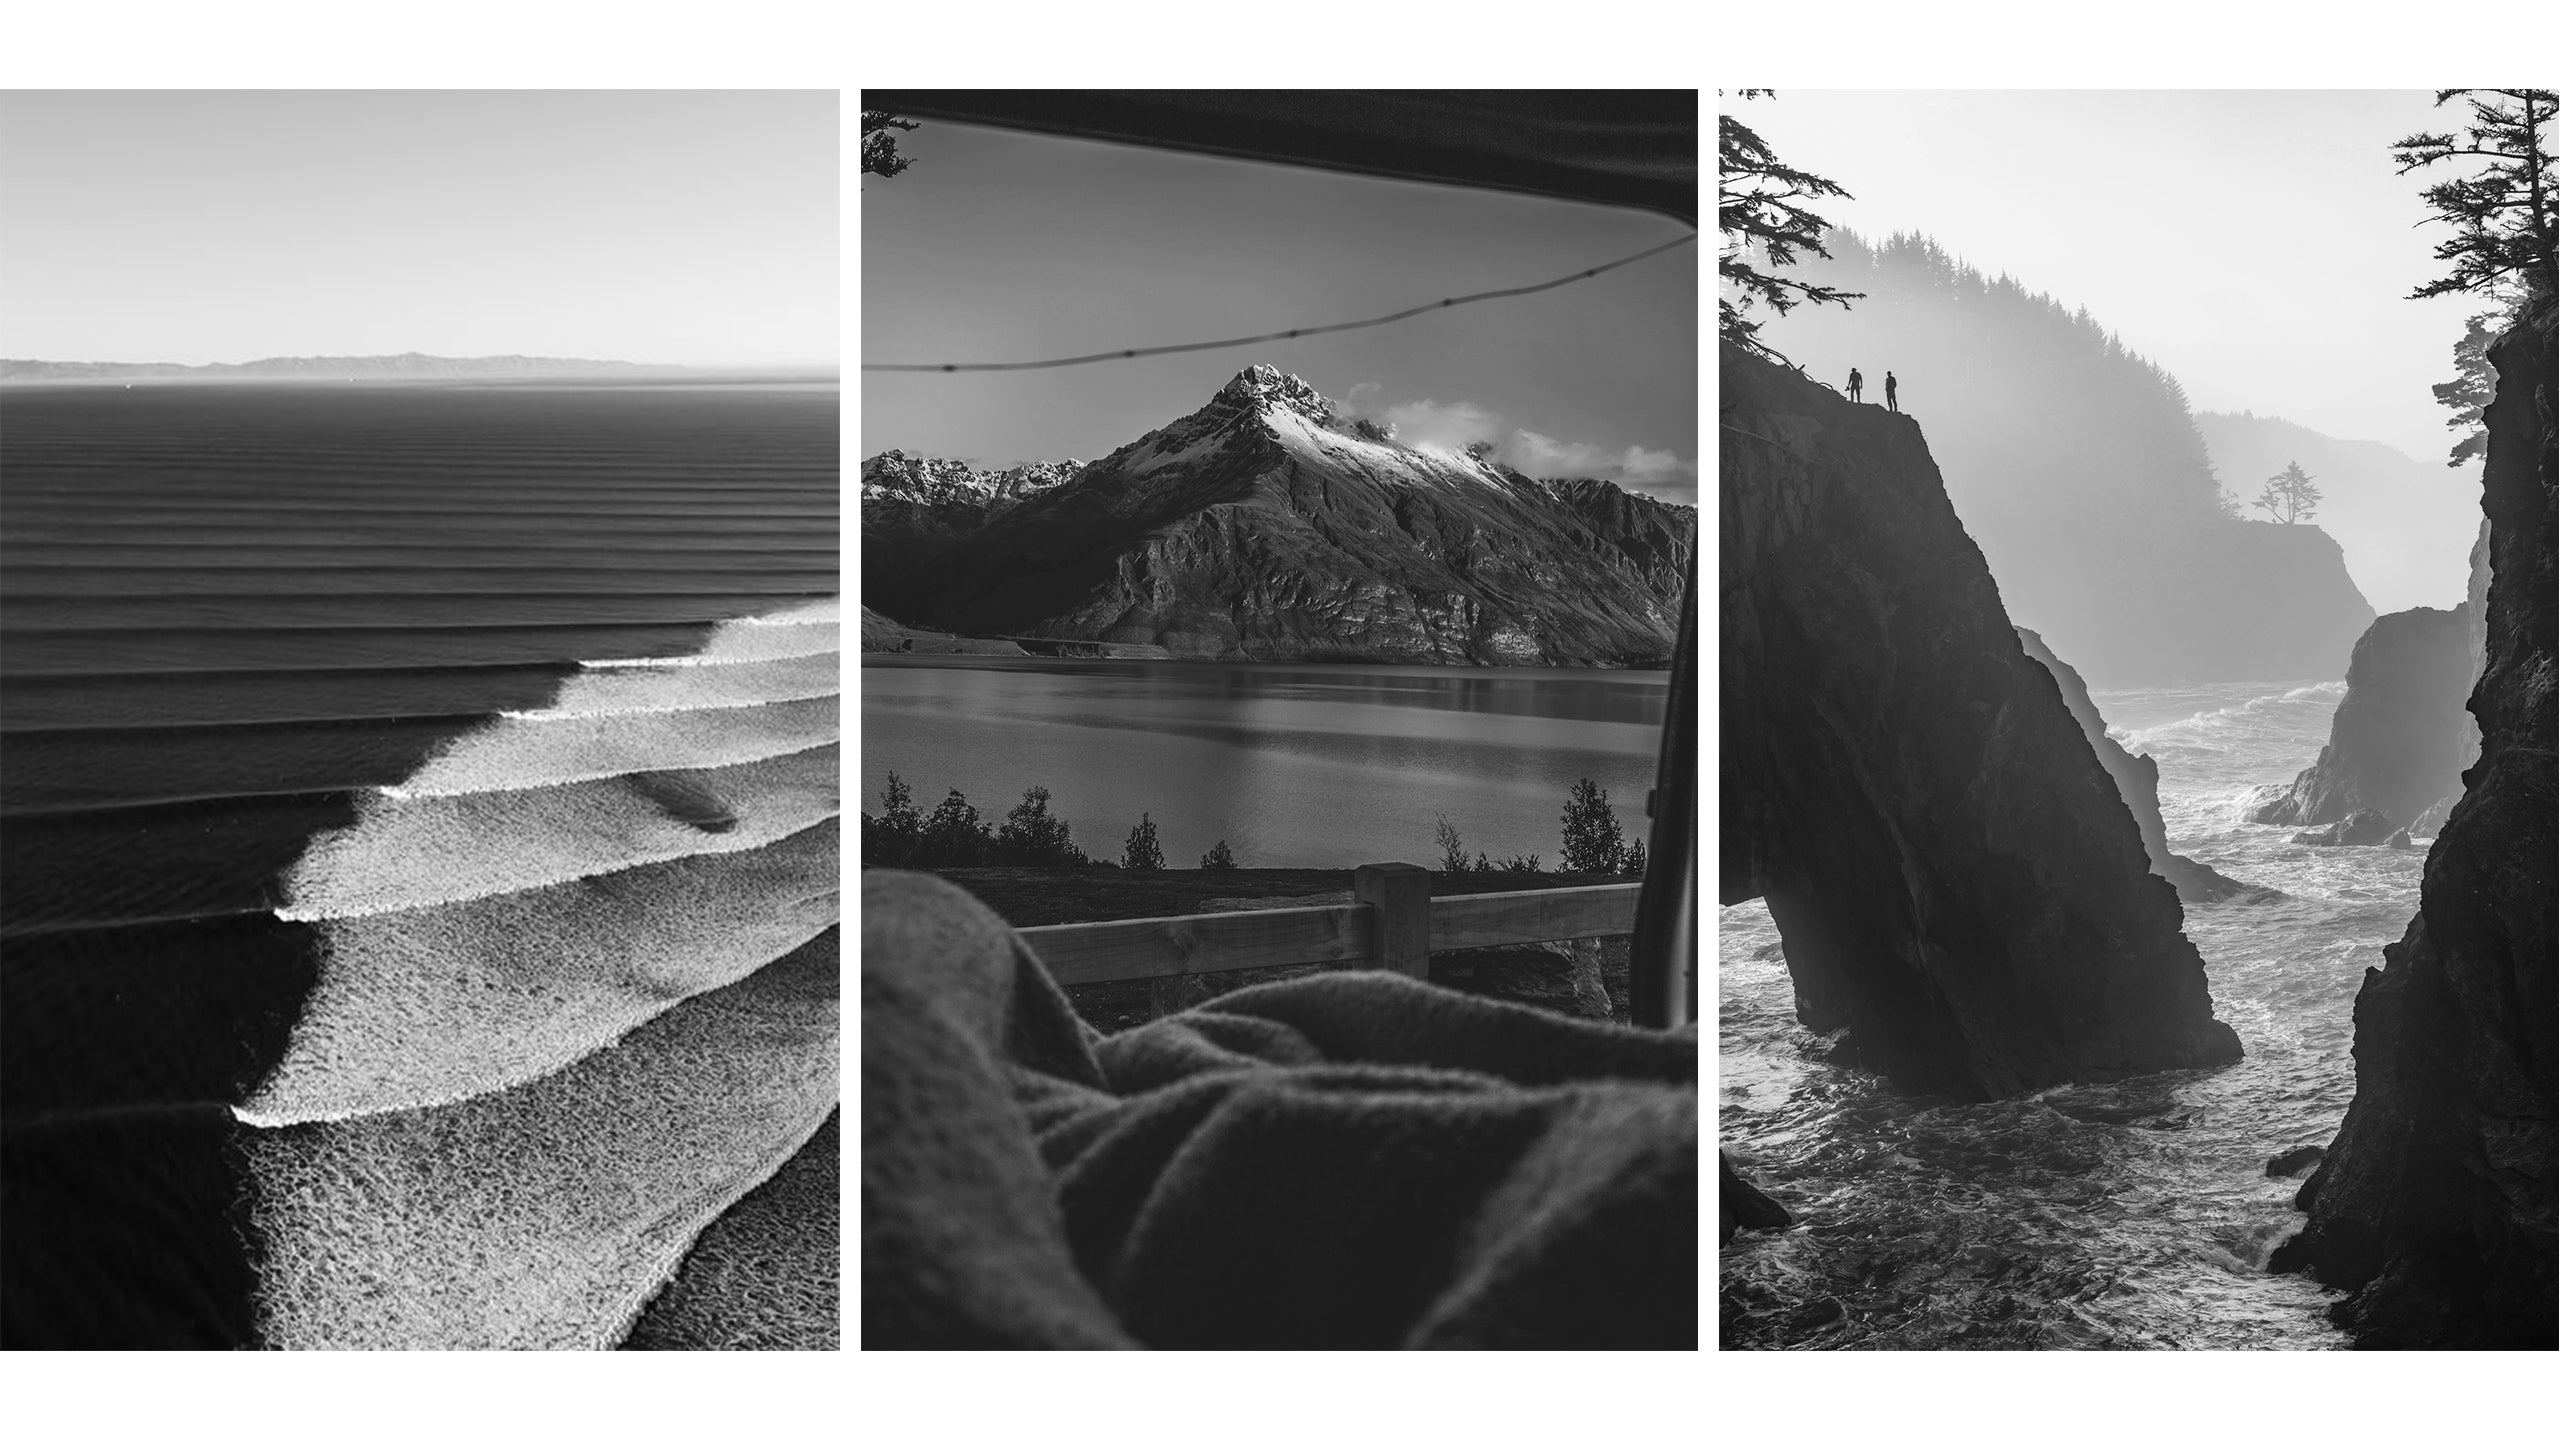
x=953 y=835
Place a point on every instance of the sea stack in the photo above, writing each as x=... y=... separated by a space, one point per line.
x=1957 y=880
x=2435 y=1204
x=2397 y=744
x=2137 y=779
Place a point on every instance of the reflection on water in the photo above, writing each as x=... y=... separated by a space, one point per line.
x=1293 y=765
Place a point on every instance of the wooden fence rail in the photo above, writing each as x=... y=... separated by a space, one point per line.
x=1396 y=924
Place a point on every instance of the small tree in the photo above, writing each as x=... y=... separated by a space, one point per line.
x=1523 y=865
x=1033 y=836
x=890 y=838
x=1453 y=851
x=1593 y=843
x=1757 y=210
x=2290 y=497
x=880 y=143
x=1219 y=857
x=2475 y=381
x=1142 y=852
x=1633 y=864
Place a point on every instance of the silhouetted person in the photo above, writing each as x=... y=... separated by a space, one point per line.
x=1857 y=385
x=1889 y=402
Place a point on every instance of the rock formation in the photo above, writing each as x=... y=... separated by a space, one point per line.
x=1266 y=526
x=2435 y=1204
x=2137 y=779
x=2396 y=744
x=2357 y=827
x=1957 y=880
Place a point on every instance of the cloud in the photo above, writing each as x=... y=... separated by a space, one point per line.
x=1455 y=426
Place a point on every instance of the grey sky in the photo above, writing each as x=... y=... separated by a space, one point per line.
x=689 y=227
x=1002 y=246
x=2255 y=243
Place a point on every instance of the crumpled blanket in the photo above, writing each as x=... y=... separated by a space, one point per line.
x=1346 y=1160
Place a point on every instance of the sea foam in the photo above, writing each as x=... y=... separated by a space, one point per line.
x=543 y=1216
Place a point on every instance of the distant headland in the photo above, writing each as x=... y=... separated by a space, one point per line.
x=411 y=366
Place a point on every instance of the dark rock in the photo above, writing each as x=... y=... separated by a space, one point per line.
x=2396 y=744
x=2137 y=780
x=1265 y=526
x=1560 y=975
x=1740 y=1207
x=2295 y=1161
x=2400 y=840
x=1958 y=880
x=2435 y=1204
x=1814 y=1314
x=2364 y=827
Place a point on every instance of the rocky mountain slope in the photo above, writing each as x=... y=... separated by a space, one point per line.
x=2436 y=1204
x=1956 y=879
x=1267 y=526
x=2397 y=743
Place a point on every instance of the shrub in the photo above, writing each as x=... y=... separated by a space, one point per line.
x=953 y=836
x=1219 y=857
x=1521 y=865
x=1142 y=852
x=1633 y=864
x=1033 y=836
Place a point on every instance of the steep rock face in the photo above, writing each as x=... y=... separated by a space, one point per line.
x=2395 y=745
x=1263 y=526
x=2475 y=612
x=1957 y=880
x=2137 y=779
x=2436 y=1203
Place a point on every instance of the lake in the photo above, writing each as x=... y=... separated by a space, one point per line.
x=1325 y=766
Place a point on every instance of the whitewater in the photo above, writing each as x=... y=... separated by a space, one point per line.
x=2129 y=1216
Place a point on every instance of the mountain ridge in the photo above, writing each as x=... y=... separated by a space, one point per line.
x=1269 y=525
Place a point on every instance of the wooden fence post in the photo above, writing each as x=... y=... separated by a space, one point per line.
x=1400 y=894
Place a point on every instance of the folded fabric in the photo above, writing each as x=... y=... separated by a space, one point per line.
x=1350 y=1159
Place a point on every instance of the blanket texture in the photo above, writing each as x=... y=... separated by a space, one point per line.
x=1346 y=1160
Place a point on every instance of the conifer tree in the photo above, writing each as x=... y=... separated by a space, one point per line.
x=1757 y=209
x=2503 y=215
x=2290 y=497
x=880 y=144
x=1593 y=843
x=1141 y=851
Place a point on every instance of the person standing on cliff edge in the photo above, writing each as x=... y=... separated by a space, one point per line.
x=1857 y=384
x=1890 y=403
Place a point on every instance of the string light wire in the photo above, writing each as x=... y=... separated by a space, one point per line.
x=1300 y=333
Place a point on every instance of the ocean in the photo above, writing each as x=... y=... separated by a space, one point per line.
x=369 y=750
x=1316 y=766
x=2127 y=1216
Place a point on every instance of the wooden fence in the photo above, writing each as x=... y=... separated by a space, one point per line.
x=1396 y=923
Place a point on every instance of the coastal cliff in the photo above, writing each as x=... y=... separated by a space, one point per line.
x=2137 y=779
x=2435 y=1205
x=1957 y=881
x=2397 y=743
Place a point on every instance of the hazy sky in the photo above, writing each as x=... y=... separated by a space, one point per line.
x=689 y=227
x=2255 y=243
x=1003 y=246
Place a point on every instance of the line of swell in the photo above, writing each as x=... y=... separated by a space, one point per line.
x=405 y=792
x=302 y=915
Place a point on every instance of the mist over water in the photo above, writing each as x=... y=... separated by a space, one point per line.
x=1292 y=765
x=2134 y=1215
